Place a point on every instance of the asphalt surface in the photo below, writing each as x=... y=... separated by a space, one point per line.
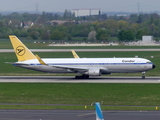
x=79 y=50
x=71 y=79
x=76 y=115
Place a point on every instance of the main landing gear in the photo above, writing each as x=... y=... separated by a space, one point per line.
x=143 y=75
x=82 y=77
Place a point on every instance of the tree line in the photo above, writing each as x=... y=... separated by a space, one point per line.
x=93 y=28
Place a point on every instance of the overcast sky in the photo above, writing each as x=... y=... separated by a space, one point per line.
x=61 y=5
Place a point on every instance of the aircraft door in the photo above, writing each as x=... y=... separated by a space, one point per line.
x=138 y=64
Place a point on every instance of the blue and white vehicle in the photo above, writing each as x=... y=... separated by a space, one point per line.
x=99 y=114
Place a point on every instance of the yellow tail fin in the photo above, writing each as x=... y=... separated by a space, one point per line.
x=74 y=54
x=21 y=51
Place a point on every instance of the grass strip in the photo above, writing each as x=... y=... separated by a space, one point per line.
x=46 y=107
x=6 y=44
x=133 y=94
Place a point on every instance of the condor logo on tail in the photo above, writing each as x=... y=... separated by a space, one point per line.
x=20 y=50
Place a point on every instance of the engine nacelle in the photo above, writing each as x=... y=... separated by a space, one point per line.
x=93 y=72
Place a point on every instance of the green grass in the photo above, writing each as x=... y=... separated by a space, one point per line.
x=46 y=107
x=8 y=69
x=6 y=44
x=81 y=94
x=148 y=108
x=80 y=107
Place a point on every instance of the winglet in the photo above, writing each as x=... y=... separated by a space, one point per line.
x=40 y=60
x=74 y=54
x=99 y=115
x=21 y=51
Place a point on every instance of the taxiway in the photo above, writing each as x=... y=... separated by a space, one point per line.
x=71 y=79
x=76 y=115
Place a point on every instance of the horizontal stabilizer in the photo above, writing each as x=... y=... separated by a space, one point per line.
x=40 y=60
x=16 y=63
x=74 y=54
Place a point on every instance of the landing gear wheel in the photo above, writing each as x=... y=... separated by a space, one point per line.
x=85 y=76
x=143 y=75
x=77 y=77
x=82 y=77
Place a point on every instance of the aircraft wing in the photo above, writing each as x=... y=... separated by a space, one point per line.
x=69 y=68
x=79 y=69
x=73 y=69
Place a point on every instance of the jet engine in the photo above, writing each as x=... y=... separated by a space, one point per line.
x=93 y=72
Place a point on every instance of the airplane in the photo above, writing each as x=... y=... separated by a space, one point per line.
x=99 y=115
x=84 y=67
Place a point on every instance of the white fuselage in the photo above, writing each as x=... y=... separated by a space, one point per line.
x=93 y=65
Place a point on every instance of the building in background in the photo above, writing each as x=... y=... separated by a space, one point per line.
x=147 y=39
x=86 y=12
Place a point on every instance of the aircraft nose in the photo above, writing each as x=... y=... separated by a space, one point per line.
x=153 y=66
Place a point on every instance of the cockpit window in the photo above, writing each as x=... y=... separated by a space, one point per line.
x=148 y=62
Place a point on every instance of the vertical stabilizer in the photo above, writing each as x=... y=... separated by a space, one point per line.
x=74 y=54
x=99 y=115
x=21 y=51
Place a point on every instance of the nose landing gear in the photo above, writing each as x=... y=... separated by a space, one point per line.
x=143 y=75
